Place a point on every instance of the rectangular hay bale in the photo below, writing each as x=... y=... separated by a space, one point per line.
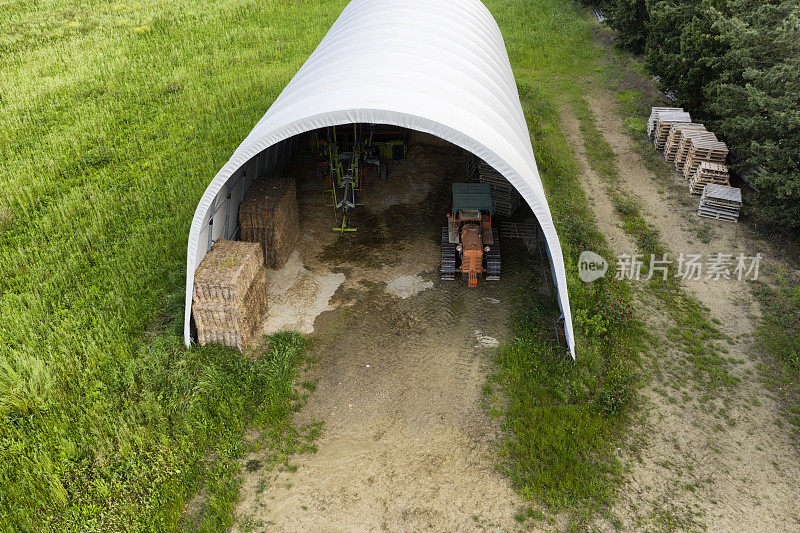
x=242 y=315
x=235 y=321
x=269 y=215
x=227 y=271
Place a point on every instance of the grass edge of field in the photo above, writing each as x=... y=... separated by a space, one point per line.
x=776 y=337
x=566 y=423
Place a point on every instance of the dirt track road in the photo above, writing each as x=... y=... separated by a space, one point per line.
x=718 y=462
x=401 y=361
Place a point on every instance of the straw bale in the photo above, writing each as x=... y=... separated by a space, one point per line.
x=236 y=314
x=234 y=323
x=269 y=215
x=227 y=271
x=231 y=338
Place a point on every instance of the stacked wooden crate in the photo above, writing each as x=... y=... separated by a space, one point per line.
x=708 y=173
x=230 y=294
x=505 y=197
x=654 y=113
x=700 y=156
x=664 y=122
x=687 y=137
x=269 y=215
x=704 y=150
x=720 y=202
x=674 y=138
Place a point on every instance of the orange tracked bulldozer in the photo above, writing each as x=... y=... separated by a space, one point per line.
x=469 y=243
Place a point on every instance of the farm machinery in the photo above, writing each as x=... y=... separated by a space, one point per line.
x=470 y=245
x=346 y=154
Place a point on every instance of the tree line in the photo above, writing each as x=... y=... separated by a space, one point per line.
x=735 y=65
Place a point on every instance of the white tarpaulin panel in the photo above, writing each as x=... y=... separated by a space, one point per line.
x=435 y=66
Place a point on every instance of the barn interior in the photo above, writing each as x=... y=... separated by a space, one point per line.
x=349 y=219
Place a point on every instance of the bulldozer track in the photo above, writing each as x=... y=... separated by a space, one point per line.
x=493 y=262
x=448 y=267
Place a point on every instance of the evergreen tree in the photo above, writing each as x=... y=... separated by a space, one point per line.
x=681 y=48
x=756 y=100
x=630 y=18
x=735 y=64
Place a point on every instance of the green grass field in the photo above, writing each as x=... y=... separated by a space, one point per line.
x=113 y=119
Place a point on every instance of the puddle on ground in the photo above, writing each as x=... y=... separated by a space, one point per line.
x=407 y=286
x=297 y=296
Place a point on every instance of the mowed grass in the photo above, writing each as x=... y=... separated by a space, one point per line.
x=113 y=119
x=778 y=340
x=565 y=420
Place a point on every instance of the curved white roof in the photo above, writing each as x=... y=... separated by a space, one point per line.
x=436 y=66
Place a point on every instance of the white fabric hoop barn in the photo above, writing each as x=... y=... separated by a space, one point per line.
x=434 y=66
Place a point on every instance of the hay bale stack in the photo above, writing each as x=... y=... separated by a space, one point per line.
x=227 y=271
x=230 y=294
x=269 y=215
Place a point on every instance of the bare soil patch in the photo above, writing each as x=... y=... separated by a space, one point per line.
x=401 y=358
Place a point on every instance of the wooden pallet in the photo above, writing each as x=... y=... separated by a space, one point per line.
x=528 y=232
x=517 y=230
x=674 y=138
x=717 y=214
x=720 y=202
x=654 y=113
x=665 y=121
x=701 y=150
x=723 y=195
x=708 y=173
x=687 y=138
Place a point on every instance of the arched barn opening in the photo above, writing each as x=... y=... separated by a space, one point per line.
x=394 y=86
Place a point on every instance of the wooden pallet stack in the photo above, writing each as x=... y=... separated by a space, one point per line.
x=704 y=150
x=708 y=173
x=674 y=138
x=505 y=198
x=687 y=137
x=230 y=294
x=663 y=123
x=700 y=157
x=720 y=202
x=654 y=112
